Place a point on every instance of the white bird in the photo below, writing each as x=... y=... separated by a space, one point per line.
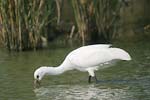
x=87 y=59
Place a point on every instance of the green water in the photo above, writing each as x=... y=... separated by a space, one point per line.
x=122 y=81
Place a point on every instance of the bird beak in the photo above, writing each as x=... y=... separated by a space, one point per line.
x=36 y=83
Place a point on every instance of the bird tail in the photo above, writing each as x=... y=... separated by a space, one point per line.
x=118 y=53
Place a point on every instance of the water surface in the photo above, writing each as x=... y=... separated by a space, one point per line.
x=122 y=81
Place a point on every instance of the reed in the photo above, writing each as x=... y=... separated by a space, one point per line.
x=100 y=17
x=81 y=18
x=24 y=22
x=107 y=15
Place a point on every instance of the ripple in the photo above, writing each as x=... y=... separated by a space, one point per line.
x=81 y=92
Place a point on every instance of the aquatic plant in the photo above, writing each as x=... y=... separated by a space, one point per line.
x=24 y=22
x=107 y=15
x=100 y=16
x=81 y=17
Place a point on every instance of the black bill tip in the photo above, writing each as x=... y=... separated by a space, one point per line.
x=37 y=84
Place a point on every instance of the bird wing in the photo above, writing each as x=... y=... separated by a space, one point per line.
x=96 y=46
x=89 y=56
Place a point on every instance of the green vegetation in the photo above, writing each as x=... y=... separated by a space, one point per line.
x=102 y=14
x=81 y=14
x=107 y=17
x=30 y=24
x=24 y=22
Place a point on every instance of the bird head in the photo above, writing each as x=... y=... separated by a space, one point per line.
x=38 y=75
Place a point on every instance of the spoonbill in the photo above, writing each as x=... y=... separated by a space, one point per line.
x=86 y=59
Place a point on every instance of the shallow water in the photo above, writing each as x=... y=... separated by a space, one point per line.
x=123 y=81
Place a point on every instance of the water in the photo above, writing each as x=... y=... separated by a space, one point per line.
x=122 y=81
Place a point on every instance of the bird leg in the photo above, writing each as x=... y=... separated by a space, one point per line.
x=89 y=79
x=95 y=79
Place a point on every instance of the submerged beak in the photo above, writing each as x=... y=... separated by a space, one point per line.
x=36 y=83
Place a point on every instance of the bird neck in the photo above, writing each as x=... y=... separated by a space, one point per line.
x=65 y=66
x=55 y=70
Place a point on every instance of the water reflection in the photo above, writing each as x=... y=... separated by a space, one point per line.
x=81 y=92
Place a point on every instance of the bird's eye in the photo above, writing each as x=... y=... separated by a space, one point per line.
x=37 y=76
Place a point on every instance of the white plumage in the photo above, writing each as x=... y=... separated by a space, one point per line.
x=86 y=58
